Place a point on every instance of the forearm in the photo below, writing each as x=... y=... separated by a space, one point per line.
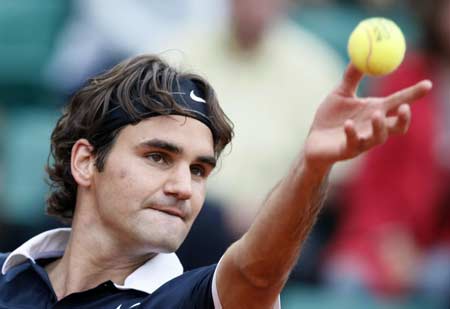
x=270 y=248
x=264 y=256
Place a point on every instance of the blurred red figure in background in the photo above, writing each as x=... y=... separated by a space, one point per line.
x=394 y=235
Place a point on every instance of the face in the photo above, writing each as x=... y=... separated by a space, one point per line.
x=251 y=18
x=153 y=183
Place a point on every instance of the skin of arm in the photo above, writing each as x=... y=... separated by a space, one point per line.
x=254 y=269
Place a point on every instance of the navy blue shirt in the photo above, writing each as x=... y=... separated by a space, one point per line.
x=27 y=286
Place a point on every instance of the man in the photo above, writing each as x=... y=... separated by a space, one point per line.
x=132 y=153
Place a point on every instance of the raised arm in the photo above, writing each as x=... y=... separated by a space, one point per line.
x=254 y=270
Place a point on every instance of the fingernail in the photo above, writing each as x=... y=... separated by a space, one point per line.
x=428 y=83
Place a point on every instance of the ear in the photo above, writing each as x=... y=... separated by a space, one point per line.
x=82 y=162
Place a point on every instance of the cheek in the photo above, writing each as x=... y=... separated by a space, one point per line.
x=123 y=173
x=119 y=190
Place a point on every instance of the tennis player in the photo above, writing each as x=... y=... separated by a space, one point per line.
x=131 y=157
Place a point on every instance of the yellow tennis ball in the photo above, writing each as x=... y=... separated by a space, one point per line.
x=376 y=46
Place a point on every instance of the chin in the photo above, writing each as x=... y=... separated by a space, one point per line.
x=167 y=243
x=167 y=238
x=168 y=246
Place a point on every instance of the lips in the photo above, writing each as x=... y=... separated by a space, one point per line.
x=173 y=211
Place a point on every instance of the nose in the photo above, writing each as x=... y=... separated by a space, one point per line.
x=179 y=183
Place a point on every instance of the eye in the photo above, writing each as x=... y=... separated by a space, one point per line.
x=198 y=170
x=158 y=158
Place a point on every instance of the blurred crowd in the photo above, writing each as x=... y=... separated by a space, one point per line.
x=383 y=238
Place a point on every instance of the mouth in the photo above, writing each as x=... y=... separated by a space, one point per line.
x=176 y=212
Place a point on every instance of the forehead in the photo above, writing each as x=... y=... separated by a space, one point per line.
x=187 y=132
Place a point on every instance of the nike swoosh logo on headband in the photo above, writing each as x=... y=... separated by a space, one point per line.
x=196 y=98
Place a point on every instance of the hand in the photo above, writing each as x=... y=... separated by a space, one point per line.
x=346 y=126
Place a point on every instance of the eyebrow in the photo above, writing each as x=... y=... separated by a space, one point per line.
x=162 y=144
x=209 y=160
x=173 y=148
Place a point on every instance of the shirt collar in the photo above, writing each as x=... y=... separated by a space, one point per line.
x=51 y=244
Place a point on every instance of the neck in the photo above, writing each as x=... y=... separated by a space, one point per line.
x=91 y=258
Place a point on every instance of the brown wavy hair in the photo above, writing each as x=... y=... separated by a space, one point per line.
x=145 y=77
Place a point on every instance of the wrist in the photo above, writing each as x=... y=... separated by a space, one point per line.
x=317 y=168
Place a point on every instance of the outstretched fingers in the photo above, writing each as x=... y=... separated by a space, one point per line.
x=399 y=124
x=353 y=142
x=357 y=143
x=407 y=95
x=350 y=81
x=376 y=122
x=380 y=132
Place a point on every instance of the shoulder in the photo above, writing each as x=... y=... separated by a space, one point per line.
x=192 y=289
